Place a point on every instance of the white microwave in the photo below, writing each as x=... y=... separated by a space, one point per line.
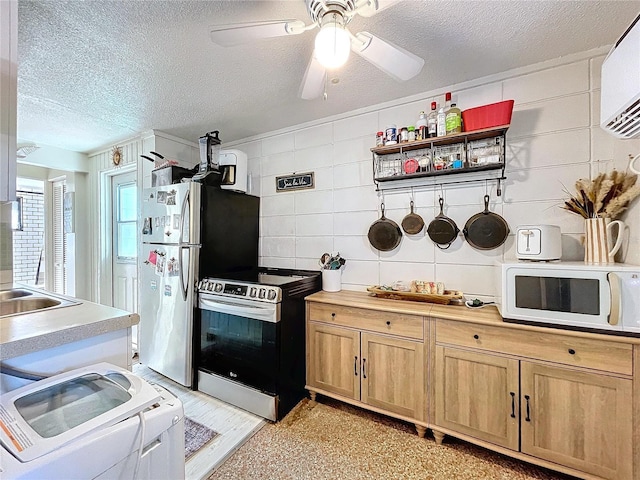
x=572 y=295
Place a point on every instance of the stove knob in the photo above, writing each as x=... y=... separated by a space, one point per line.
x=271 y=295
x=218 y=287
x=210 y=286
x=261 y=293
x=253 y=292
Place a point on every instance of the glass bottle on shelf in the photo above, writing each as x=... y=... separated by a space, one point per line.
x=432 y=122
x=421 y=126
x=442 y=115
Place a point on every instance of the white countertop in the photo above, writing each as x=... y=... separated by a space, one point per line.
x=30 y=332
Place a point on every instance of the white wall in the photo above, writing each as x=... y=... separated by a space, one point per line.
x=554 y=139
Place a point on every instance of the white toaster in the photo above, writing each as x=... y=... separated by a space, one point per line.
x=538 y=242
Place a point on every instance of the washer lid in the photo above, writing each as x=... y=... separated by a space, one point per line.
x=45 y=415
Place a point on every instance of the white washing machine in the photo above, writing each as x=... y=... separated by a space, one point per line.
x=96 y=422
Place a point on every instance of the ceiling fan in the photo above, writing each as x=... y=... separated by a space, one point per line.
x=333 y=42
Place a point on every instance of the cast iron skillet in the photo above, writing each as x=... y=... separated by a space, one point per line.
x=412 y=223
x=384 y=234
x=442 y=230
x=486 y=230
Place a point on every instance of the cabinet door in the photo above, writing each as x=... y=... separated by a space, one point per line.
x=579 y=419
x=393 y=375
x=334 y=360
x=477 y=394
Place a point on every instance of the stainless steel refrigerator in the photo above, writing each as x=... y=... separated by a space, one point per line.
x=189 y=231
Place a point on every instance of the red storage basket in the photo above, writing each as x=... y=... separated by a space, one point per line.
x=487 y=116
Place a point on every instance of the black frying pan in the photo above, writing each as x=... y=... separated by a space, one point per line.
x=384 y=234
x=442 y=230
x=412 y=223
x=486 y=230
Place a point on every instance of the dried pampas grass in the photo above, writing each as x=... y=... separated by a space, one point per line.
x=606 y=196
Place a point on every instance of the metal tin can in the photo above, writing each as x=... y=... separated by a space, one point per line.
x=391 y=135
x=379 y=139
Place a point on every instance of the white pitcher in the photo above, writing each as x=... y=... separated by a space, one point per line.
x=598 y=237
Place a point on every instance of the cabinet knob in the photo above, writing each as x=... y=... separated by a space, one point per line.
x=476 y=336
x=572 y=351
x=333 y=316
x=388 y=322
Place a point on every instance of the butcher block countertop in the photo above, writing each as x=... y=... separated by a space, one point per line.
x=34 y=331
x=488 y=315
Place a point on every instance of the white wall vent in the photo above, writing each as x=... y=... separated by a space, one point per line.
x=620 y=95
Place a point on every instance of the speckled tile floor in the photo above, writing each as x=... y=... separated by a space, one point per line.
x=331 y=440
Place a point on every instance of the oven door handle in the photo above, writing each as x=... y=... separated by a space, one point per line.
x=257 y=313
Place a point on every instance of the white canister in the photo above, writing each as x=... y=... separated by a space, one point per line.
x=332 y=280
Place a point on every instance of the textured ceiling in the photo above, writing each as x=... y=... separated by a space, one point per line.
x=92 y=73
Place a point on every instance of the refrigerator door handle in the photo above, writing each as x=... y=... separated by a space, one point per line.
x=185 y=206
x=183 y=287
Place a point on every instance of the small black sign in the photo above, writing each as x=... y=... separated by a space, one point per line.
x=294 y=182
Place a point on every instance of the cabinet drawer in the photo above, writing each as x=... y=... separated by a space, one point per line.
x=577 y=351
x=410 y=326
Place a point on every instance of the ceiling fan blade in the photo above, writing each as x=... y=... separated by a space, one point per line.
x=238 y=33
x=313 y=83
x=393 y=60
x=371 y=7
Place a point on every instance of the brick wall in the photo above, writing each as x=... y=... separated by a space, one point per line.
x=28 y=242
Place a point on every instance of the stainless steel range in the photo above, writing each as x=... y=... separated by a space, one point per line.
x=251 y=350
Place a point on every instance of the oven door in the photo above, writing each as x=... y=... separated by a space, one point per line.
x=239 y=340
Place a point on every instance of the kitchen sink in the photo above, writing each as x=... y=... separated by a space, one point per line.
x=16 y=293
x=22 y=300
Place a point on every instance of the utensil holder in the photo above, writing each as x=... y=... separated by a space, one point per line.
x=597 y=239
x=332 y=280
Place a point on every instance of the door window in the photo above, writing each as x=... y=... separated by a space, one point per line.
x=126 y=216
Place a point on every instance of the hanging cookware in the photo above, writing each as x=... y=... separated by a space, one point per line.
x=486 y=230
x=412 y=223
x=442 y=230
x=384 y=234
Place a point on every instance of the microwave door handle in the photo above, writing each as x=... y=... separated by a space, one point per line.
x=614 y=288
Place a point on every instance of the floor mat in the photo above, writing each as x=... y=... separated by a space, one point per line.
x=196 y=436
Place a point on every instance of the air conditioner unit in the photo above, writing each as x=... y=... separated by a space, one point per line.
x=620 y=94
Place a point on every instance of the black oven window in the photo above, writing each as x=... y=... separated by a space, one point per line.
x=570 y=295
x=240 y=349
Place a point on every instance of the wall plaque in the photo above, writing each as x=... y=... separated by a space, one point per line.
x=294 y=182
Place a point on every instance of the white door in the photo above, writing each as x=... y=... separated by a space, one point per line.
x=124 y=244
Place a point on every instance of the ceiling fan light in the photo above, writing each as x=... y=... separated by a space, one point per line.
x=333 y=45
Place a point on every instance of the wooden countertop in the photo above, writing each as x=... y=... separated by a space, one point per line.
x=32 y=332
x=488 y=315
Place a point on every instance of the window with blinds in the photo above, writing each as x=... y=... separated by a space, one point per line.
x=59 y=238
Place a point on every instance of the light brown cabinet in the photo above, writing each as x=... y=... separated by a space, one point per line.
x=570 y=416
x=568 y=401
x=384 y=373
x=477 y=394
x=578 y=419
